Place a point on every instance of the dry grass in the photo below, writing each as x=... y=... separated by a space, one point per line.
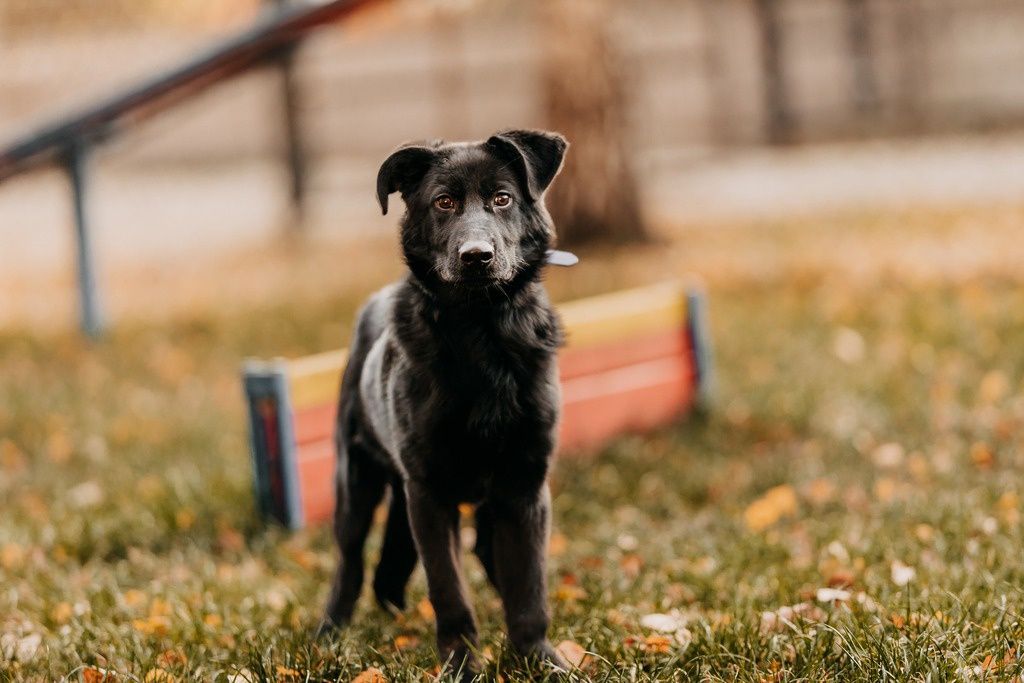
x=867 y=439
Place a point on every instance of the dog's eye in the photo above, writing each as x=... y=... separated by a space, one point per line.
x=502 y=199
x=444 y=203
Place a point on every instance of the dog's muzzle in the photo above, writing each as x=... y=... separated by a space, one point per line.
x=476 y=261
x=476 y=253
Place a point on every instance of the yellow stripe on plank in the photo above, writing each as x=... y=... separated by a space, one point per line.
x=315 y=380
x=618 y=316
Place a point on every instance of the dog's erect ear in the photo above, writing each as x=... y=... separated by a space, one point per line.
x=402 y=170
x=537 y=156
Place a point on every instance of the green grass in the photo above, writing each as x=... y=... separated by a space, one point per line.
x=890 y=410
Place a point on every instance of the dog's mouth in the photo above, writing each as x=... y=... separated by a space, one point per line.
x=477 y=280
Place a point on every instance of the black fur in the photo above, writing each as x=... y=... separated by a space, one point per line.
x=451 y=391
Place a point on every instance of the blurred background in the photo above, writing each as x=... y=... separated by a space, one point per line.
x=846 y=177
x=680 y=112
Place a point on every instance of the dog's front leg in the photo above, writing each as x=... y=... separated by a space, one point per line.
x=521 y=530
x=434 y=527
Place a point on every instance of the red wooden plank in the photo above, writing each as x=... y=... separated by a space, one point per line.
x=596 y=408
x=316 y=423
x=316 y=480
x=575 y=362
x=636 y=398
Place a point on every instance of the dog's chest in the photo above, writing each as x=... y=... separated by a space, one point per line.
x=488 y=415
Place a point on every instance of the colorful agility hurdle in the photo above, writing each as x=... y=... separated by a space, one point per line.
x=633 y=360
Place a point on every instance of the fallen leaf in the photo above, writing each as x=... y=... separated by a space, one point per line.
x=20 y=648
x=150 y=487
x=230 y=539
x=832 y=595
x=242 y=676
x=790 y=616
x=62 y=612
x=665 y=623
x=901 y=573
x=658 y=644
x=820 y=491
x=86 y=495
x=848 y=345
x=683 y=637
x=627 y=542
x=569 y=593
x=776 y=503
x=371 y=675
x=404 y=642
x=170 y=659
x=93 y=674
x=558 y=544
x=286 y=674
x=12 y=556
x=888 y=455
x=155 y=625
x=678 y=592
x=159 y=608
x=1009 y=507
x=158 y=676
x=184 y=519
x=885 y=490
x=275 y=600
x=59 y=447
x=574 y=654
x=425 y=610
x=133 y=597
x=918 y=466
x=12 y=459
x=631 y=565
x=840 y=579
x=982 y=456
x=994 y=387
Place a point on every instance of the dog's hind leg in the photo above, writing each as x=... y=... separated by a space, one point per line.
x=361 y=484
x=398 y=554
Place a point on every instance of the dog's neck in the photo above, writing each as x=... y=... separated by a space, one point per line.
x=519 y=320
x=491 y=302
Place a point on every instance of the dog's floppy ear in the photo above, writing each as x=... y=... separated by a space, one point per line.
x=536 y=154
x=402 y=170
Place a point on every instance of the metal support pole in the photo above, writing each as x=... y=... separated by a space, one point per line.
x=295 y=154
x=293 y=131
x=75 y=164
x=779 y=124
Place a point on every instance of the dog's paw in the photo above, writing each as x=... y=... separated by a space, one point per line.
x=544 y=654
x=389 y=599
x=328 y=628
x=459 y=662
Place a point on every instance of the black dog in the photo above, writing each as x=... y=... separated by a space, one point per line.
x=451 y=391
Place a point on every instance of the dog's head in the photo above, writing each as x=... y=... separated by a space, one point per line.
x=475 y=215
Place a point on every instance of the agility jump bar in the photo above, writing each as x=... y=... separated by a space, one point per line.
x=634 y=360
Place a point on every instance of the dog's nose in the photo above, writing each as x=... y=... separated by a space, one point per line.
x=476 y=252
